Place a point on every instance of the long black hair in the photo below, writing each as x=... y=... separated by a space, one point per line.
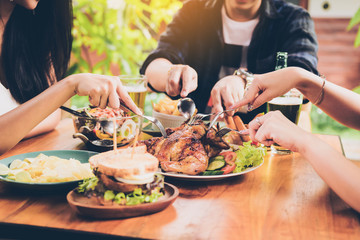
x=36 y=47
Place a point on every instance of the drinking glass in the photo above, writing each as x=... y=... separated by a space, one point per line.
x=289 y=105
x=135 y=85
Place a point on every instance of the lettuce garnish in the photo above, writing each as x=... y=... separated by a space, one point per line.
x=92 y=186
x=248 y=155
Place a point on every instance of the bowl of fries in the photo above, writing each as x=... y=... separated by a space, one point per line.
x=167 y=113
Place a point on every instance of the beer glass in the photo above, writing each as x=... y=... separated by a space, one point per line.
x=290 y=106
x=135 y=85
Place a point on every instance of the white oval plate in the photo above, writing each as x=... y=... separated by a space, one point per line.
x=207 y=178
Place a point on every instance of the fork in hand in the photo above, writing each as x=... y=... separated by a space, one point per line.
x=223 y=131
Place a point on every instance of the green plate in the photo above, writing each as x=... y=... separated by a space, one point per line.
x=82 y=156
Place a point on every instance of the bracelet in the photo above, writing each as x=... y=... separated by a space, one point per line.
x=245 y=75
x=321 y=95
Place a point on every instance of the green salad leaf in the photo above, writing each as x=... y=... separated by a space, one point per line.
x=93 y=186
x=248 y=155
x=87 y=184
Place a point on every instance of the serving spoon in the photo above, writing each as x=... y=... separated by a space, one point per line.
x=186 y=107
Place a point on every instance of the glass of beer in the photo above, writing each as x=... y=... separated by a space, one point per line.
x=135 y=85
x=289 y=105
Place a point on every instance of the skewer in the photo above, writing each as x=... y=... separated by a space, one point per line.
x=134 y=145
x=114 y=135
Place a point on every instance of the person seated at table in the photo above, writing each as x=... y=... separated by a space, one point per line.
x=35 y=51
x=342 y=104
x=208 y=40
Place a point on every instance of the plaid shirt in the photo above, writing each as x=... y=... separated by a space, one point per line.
x=195 y=38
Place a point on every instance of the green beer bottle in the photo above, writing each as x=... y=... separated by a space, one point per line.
x=289 y=104
x=281 y=60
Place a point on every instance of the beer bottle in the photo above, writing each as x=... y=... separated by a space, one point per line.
x=288 y=104
x=281 y=60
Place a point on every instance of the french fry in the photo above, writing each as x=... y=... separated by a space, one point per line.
x=167 y=106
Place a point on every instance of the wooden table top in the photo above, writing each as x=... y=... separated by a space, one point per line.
x=283 y=199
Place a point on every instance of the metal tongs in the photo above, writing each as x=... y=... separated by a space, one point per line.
x=151 y=119
x=75 y=113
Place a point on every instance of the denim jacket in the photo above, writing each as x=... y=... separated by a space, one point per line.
x=195 y=38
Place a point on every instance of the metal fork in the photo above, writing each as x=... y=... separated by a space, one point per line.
x=151 y=119
x=199 y=116
x=223 y=131
x=218 y=115
x=157 y=123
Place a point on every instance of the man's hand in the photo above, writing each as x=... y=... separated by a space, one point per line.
x=182 y=80
x=226 y=92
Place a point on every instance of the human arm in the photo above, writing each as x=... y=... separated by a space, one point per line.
x=102 y=91
x=339 y=173
x=167 y=67
x=267 y=86
x=46 y=125
x=298 y=39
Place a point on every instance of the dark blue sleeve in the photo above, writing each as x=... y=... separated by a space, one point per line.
x=299 y=40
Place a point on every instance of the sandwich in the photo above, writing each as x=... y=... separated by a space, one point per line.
x=125 y=177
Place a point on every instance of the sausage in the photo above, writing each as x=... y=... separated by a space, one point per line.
x=241 y=126
x=230 y=122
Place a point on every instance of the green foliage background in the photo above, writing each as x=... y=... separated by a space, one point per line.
x=355 y=20
x=123 y=32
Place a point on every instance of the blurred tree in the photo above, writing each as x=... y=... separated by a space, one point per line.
x=353 y=22
x=119 y=33
x=114 y=37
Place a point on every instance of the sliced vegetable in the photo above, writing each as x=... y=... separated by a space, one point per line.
x=228 y=168
x=216 y=163
x=128 y=129
x=210 y=173
x=229 y=157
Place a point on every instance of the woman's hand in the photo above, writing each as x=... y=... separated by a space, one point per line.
x=226 y=92
x=182 y=80
x=274 y=127
x=267 y=86
x=102 y=90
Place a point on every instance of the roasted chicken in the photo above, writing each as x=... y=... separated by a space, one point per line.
x=187 y=149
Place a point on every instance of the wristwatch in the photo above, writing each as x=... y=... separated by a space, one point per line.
x=245 y=75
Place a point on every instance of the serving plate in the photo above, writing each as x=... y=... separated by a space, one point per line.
x=148 y=129
x=187 y=177
x=91 y=208
x=81 y=155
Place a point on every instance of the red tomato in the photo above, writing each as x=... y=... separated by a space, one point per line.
x=228 y=168
x=229 y=157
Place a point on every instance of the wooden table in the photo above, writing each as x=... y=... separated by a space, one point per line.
x=283 y=199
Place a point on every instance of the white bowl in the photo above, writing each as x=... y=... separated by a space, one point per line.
x=167 y=120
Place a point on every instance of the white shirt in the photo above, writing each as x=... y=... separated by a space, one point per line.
x=237 y=33
x=7 y=102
